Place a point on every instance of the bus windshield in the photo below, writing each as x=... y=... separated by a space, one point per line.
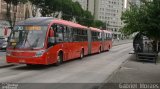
x=28 y=37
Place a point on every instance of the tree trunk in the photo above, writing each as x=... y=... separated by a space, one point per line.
x=15 y=15
x=8 y=14
x=34 y=10
x=158 y=45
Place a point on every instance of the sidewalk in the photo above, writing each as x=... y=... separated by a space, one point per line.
x=3 y=62
x=133 y=71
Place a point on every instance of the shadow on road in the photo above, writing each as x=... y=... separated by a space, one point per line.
x=34 y=67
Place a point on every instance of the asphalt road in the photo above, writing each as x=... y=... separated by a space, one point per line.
x=91 y=69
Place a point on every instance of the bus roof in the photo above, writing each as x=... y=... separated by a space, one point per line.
x=95 y=29
x=45 y=21
x=68 y=23
x=36 y=21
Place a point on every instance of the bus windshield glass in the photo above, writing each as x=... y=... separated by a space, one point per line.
x=28 y=37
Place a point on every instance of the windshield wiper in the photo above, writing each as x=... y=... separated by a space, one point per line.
x=35 y=42
x=30 y=46
x=21 y=43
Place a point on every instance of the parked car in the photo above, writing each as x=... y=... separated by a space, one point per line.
x=3 y=42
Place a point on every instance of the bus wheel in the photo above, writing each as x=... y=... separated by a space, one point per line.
x=59 y=59
x=82 y=54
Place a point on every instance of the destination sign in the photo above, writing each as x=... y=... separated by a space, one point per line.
x=27 y=28
x=32 y=27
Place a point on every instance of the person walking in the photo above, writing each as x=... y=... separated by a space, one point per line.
x=118 y=39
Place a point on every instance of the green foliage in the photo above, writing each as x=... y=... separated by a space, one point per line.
x=69 y=10
x=99 y=24
x=86 y=19
x=13 y=3
x=144 y=19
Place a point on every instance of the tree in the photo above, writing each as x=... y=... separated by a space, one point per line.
x=86 y=18
x=144 y=19
x=100 y=24
x=70 y=10
x=12 y=17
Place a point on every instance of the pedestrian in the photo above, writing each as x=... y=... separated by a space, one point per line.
x=118 y=39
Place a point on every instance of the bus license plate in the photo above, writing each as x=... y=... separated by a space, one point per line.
x=22 y=61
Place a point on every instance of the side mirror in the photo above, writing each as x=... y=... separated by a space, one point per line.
x=51 y=40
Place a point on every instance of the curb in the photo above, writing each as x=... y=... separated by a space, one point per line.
x=6 y=65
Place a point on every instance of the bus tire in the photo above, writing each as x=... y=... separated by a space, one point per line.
x=82 y=54
x=59 y=59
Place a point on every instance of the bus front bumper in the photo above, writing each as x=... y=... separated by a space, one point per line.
x=26 y=60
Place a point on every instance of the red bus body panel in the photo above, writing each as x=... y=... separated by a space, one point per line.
x=96 y=45
x=107 y=44
x=26 y=57
x=70 y=50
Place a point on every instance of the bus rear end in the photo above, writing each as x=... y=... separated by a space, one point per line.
x=106 y=40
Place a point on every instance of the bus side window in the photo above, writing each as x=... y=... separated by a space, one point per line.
x=66 y=34
x=59 y=33
x=74 y=34
x=70 y=34
x=51 y=39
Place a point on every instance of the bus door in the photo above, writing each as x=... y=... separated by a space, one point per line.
x=76 y=48
x=59 y=43
x=67 y=34
x=62 y=41
x=51 y=43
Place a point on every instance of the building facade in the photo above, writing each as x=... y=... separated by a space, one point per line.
x=136 y=2
x=22 y=11
x=92 y=6
x=133 y=2
x=110 y=11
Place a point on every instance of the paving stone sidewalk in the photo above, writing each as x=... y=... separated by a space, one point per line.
x=136 y=72
x=3 y=61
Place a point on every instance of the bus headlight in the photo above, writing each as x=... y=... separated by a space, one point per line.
x=40 y=53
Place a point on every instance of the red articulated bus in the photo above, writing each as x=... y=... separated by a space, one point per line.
x=106 y=40
x=95 y=40
x=45 y=40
